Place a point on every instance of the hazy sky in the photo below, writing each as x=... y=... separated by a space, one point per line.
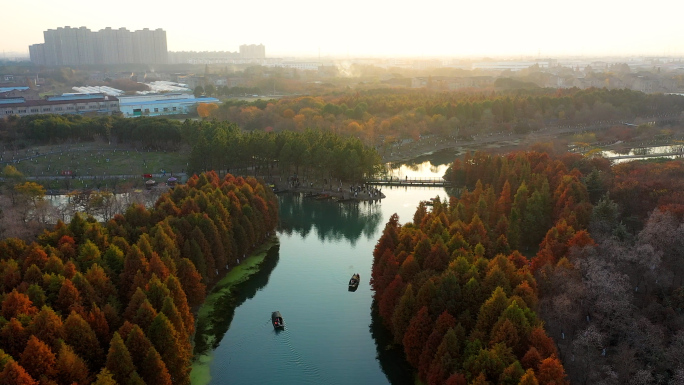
x=370 y=27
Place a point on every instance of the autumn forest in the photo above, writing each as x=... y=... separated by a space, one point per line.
x=542 y=266
x=112 y=303
x=547 y=269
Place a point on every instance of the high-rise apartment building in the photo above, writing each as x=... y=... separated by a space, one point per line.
x=252 y=51
x=81 y=46
x=115 y=46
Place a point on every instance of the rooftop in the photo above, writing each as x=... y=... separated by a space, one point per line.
x=124 y=103
x=12 y=101
x=98 y=90
x=165 y=86
x=71 y=97
x=57 y=100
x=7 y=89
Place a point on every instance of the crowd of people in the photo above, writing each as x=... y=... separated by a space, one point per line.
x=373 y=192
x=358 y=190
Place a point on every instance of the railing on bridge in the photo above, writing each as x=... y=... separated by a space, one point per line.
x=406 y=181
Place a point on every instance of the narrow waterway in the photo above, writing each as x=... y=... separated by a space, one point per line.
x=330 y=335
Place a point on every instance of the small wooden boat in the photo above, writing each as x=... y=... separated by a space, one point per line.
x=354 y=282
x=277 y=321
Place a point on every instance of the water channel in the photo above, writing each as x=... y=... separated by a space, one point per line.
x=330 y=335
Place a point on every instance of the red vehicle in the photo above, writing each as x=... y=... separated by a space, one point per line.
x=147 y=175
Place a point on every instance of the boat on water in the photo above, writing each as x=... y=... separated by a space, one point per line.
x=354 y=282
x=277 y=321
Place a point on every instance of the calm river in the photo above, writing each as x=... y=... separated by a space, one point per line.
x=330 y=335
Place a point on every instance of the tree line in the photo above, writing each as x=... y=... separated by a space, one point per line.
x=384 y=115
x=375 y=116
x=214 y=145
x=111 y=303
x=211 y=90
x=148 y=132
x=325 y=155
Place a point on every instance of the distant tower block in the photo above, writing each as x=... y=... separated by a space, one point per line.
x=252 y=51
x=81 y=46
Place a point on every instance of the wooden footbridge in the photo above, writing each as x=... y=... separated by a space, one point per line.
x=416 y=182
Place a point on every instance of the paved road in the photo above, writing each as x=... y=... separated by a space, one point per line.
x=179 y=175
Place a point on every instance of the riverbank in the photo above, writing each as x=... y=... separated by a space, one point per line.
x=200 y=374
x=321 y=246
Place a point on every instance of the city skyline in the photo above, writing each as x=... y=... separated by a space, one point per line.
x=81 y=46
x=464 y=29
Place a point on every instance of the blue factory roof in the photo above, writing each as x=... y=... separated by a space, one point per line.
x=171 y=101
x=12 y=101
x=7 y=89
x=75 y=97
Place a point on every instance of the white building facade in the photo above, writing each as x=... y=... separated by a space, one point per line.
x=163 y=104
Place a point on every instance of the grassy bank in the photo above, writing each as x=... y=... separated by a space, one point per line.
x=200 y=368
x=94 y=159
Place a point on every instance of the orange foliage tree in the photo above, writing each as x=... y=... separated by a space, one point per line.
x=99 y=285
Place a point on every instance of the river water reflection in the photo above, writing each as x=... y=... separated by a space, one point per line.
x=330 y=336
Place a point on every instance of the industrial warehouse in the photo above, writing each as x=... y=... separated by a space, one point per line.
x=63 y=104
x=100 y=100
x=164 y=104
